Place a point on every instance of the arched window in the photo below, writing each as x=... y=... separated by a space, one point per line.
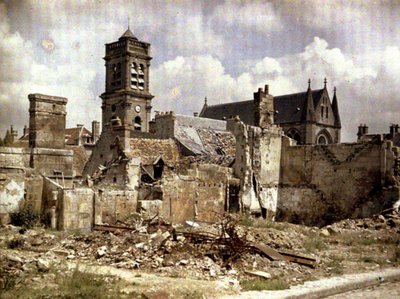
x=137 y=123
x=294 y=134
x=323 y=137
x=113 y=107
x=322 y=140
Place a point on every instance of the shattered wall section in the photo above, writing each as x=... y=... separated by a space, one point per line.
x=257 y=164
x=12 y=192
x=19 y=187
x=112 y=206
x=325 y=183
x=200 y=195
x=75 y=209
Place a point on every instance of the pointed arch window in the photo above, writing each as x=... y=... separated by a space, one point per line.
x=294 y=134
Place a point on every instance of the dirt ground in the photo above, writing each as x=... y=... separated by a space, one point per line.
x=157 y=260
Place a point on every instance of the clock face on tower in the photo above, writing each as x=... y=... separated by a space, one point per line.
x=137 y=108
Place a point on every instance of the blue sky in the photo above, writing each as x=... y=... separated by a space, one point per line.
x=224 y=50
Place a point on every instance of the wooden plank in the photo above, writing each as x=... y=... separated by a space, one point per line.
x=299 y=259
x=110 y=228
x=269 y=252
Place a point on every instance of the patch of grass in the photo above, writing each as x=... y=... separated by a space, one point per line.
x=192 y=294
x=314 y=244
x=8 y=280
x=175 y=274
x=248 y=220
x=259 y=284
x=335 y=264
x=396 y=255
x=78 y=285
x=366 y=239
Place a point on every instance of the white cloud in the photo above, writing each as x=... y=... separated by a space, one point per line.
x=22 y=74
x=257 y=15
x=192 y=36
x=358 y=86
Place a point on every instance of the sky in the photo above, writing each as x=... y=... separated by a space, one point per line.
x=222 y=50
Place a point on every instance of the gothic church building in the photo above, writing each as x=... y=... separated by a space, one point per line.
x=308 y=117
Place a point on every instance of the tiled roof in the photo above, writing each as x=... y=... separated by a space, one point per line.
x=73 y=134
x=151 y=149
x=201 y=141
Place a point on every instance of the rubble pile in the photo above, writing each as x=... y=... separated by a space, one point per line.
x=386 y=219
x=206 y=251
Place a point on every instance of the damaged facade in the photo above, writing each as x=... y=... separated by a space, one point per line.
x=279 y=157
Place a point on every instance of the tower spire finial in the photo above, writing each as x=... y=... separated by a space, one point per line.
x=309 y=83
x=129 y=21
x=205 y=100
x=334 y=90
x=325 y=82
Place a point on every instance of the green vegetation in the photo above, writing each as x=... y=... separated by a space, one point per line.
x=314 y=244
x=248 y=220
x=25 y=217
x=335 y=264
x=78 y=285
x=396 y=255
x=259 y=284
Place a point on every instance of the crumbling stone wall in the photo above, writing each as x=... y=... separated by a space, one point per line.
x=114 y=205
x=12 y=191
x=19 y=187
x=257 y=164
x=323 y=183
x=201 y=194
x=75 y=209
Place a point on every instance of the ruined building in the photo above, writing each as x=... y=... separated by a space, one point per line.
x=278 y=157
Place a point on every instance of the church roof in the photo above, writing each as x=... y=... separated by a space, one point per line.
x=289 y=108
x=128 y=33
x=244 y=109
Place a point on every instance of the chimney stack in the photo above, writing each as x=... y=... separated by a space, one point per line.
x=362 y=130
x=95 y=131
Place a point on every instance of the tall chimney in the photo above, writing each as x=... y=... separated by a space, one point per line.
x=13 y=133
x=26 y=130
x=95 y=131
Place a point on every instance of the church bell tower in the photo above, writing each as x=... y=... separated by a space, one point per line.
x=127 y=99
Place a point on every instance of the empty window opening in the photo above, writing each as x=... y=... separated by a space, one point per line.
x=114 y=179
x=158 y=169
x=137 y=123
x=294 y=134
x=220 y=151
x=322 y=140
x=113 y=107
